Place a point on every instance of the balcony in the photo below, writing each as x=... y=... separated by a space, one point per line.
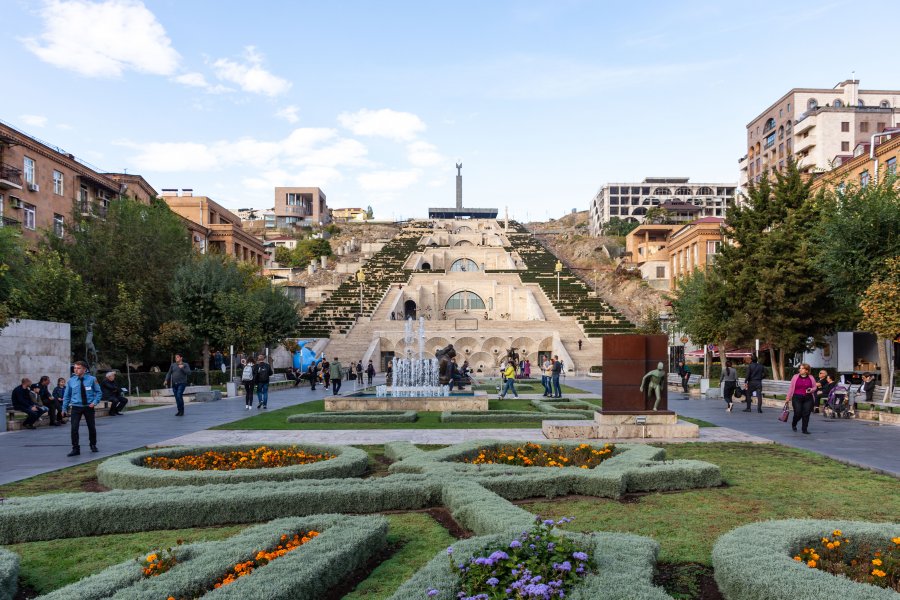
x=10 y=177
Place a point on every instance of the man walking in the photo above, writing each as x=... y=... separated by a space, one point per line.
x=556 y=371
x=22 y=401
x=370 y=372
x=177 y=377
x=82 y=395
x=685 y=375
x=546 y=374
x=262 y=374
x=326 y=373
x=753 y=384
x=337 y=373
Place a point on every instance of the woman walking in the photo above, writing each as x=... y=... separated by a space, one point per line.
x=729 y=381
x=247 y=380
x=803 y=386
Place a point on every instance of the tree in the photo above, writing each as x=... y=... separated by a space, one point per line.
x=197 y=289
x=701 y=309
x=616 y=226
x=12 y=269
x=126 y=325
x=51 y=290
x=241 y=315
x=305 y=252
x=279 y=318
x=370 y=214
x=880 y=307
x=659 y=216
x=650 y=324
x=172 y=337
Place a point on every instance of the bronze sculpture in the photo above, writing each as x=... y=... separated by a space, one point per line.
x=445 y=356
x=656 y=377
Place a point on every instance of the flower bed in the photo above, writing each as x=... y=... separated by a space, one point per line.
x=760 y=560
x=583 y=456
x=383 y=416
x=345 y=544
x=132 y=470
x=859 y=562
x=262 y=457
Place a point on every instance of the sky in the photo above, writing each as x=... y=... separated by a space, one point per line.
x=374 y=102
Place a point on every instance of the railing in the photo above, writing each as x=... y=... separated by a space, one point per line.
x=11 y=174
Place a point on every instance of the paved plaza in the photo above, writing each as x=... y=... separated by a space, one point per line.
x=25 y=454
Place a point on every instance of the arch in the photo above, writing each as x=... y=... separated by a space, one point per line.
x=885 y=104
x=463 y=243
x=838 y=103
x=465 y=343
x=683 y=191
x=386 y=345
x=434 y=344
x=662 y=191
x=812 y=104
x=639 y=211
x=705 y=191
x=462 y=229
x=409 y=309
x=495 y=343
x=481 y=360
x=464 y=300
x=770 y=124
x=464 y=264
x=528 y=344
x=426 y=266
x=781 y=132
x=546 y=345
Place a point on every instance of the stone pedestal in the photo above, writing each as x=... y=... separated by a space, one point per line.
x=617 y=426
x=477 y=402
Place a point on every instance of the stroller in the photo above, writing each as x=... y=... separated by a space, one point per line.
x=838 y=404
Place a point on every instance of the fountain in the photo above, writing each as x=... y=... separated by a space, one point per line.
x=414 y=377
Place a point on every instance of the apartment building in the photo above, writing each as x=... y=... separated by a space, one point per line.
x=41 y=186
x=295 y=206
x=814 y=125
x=684 y=200
x=693 y=246
x=646 y=249
x=867 y=165
x=214 y=227
x=348 y=214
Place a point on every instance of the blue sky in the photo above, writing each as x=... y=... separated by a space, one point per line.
x=542 y=101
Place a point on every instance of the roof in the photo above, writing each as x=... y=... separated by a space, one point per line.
x=462 y=213
x=709 y=220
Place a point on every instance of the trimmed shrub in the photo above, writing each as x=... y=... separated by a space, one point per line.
x=382 y=416
x=756 y=561
x=127 y=471
x=9 y=574
x=345 y=543
x=624 y=567
x=584 y=410
x=504 y=416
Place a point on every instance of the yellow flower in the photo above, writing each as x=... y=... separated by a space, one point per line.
x=836 y=532
x=837 y=543
x=876 y=562
x=896 y=540
x=811 y=564
x=797 y=558
x=878 y=573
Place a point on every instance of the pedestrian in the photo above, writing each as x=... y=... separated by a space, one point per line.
x=685 y=374
x=729 y=381
x=370 y=372
x=359 y=372
x=23 y=401
x=389 y=373
x=509 y=380
x=823 y=389
x=753 y=384
x=555 y=372
x=802 y=394
x=868 y=386
x=112 y=393
x=81 y=396
x=247 y=381
x=337 y=373
x=579 y=344
x=261 y=375
x=177 y=376
x=546 y=374
x=58 y=393
x=326 y=373
x=527 y=369
x=312 y=374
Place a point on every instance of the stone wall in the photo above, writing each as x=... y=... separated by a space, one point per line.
x=32 y=349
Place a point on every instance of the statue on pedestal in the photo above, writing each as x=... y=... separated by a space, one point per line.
x=657 y=378
x=445 y=357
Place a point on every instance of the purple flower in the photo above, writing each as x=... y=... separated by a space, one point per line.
x=499 y=555
x=563 y=566
x=450 y=550
x=579 y=556
x=551 y=546
x=432 y=593
x=515 y=544
x=493 y=581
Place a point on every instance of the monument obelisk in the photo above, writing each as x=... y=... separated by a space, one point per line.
x=459 y=186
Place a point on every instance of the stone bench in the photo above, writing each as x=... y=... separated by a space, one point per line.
x=166 y=395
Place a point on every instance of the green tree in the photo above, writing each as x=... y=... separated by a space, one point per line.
x=12 y=269
x=619 y=227
x=51 y=290
x=126 y=326
x=880 y=307
x=197 y=288
x=279 y=318
x=240 y=324
x=650 y=324
x=701 y=309
x=659 y=216
x=172 y=336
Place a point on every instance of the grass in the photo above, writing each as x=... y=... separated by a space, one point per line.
x=277 y=419
x=698 y=422
x=70 y=479
x=529 y=388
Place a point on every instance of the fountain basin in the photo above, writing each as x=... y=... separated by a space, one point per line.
x=368 y=401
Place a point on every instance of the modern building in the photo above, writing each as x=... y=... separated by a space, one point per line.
x=223 y=231
x=295 y=206
x=41 y=186
x=814 y=125
x=694 y=246
x=867 y=165
x=348 y=214
x=684 y=200
x=458 y=212
x=646 y=249
x=256 y=219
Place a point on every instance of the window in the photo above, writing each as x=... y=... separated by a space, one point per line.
x=885 y=104
x=845 y=126
x=812 y=104
x=863 y=126
x=706 y=191
x=891 y=165
x=464 y=264
x=662 y=191
x=770 y=140
x=712 y=246
x=660 y=272
x=29 y=170
x=789 y=108
x=845 y=146
x=879 y=127
x=57 y=183
x=30 y=215
x=465 y=301
x=83 y=193
x=683 y=191
x=770 y=124
x=864 y=178
x=838 y=104
x=59 y=225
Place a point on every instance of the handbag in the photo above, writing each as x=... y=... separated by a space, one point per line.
x=738 y=392
x=785 y=411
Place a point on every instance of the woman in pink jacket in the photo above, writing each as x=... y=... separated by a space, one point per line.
x=802 y=396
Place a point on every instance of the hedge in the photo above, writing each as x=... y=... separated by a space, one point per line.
x=504 y=416
x=553 y=407
x=126 y=471
x=344 y=544
x=624 y=566
x=755 y=562
x=9 y=574
x=381 y=416
x=154 y=381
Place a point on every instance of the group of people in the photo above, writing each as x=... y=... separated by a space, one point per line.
x=551 y=369
x=256 y=374
x=332 y=373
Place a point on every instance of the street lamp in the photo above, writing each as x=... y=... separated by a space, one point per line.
x=558 y=269
x=361 y=278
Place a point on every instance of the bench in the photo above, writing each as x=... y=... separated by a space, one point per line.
x=167 y=395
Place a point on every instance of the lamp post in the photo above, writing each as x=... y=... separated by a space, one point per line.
x=361 y=278
x=558 y=268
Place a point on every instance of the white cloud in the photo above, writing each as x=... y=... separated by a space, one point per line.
x=267 y=180
x=173 y=157
x=103 y=39
x=387 y=123
x=250 y=75
x=192 y=79
x=423 y=154
x=388 y=181
x=289 y=114
x=34 y=120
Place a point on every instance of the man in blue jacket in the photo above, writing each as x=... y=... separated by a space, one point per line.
x=81 y=396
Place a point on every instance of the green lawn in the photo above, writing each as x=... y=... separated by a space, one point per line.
x=698 y=422
x=70 y=479
x=277 y=419
x=528 y=388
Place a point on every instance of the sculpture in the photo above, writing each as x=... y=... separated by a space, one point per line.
x=512 y=355
x=445 y=356
x=90 y=351
x=656 y=377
